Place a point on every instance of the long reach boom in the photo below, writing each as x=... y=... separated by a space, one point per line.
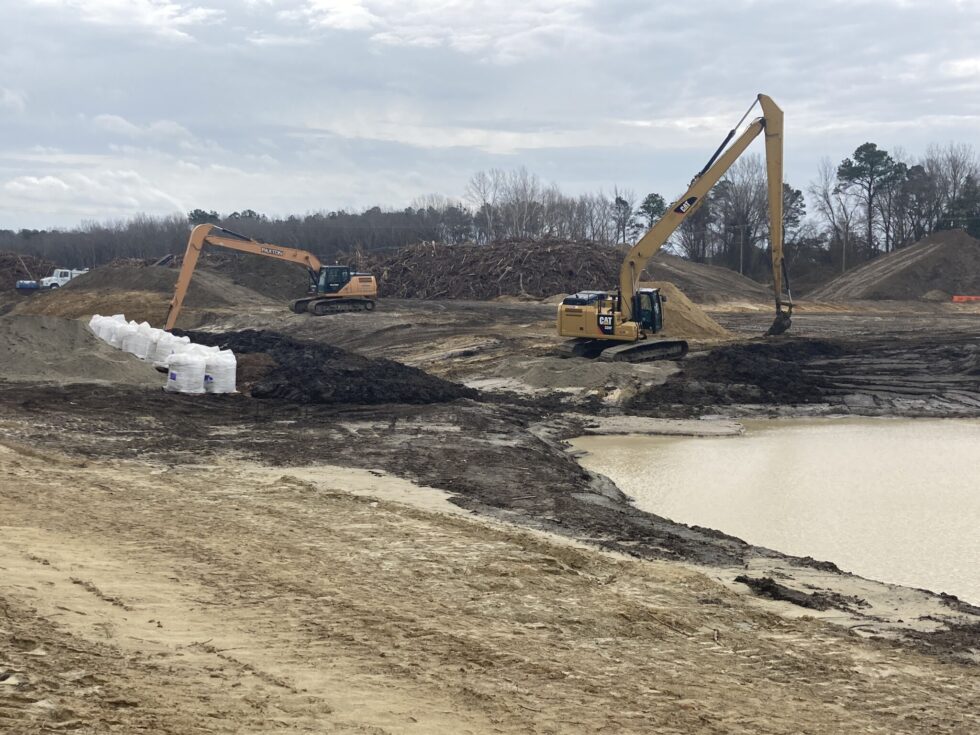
x=771 y=123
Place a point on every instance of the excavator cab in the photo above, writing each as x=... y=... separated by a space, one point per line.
x=648 y=309
x=333 y=278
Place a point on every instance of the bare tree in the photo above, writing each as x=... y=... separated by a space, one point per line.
x=838 y=209
x=482 y=192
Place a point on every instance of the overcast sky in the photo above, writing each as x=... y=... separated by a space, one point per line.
x=109 y=108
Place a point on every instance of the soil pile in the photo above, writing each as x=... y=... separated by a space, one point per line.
x=706 y=284
x=42 y=349
x=313 y=372
x=141 y=293
x=946 y=262
x=275 y=279
x=15 y=267
x=683 y=319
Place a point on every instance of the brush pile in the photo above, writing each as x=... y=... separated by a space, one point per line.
x=14 y=267
x=510 y=268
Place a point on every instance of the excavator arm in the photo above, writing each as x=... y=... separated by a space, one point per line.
x=214 y=235
x=771 y=123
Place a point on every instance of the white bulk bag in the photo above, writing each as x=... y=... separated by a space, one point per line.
x=108 y=327
x=151 y=344
x=93 y=323
x=185 y=372
x=136 y=343
x=219 y=372
x=119 y=335
x=166 y=346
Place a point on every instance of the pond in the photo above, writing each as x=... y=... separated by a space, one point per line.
x=896 y=500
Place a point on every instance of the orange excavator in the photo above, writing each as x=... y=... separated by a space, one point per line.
x=333 y=288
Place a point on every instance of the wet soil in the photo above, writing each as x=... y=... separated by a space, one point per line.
x=309 y=372
x=933 y=375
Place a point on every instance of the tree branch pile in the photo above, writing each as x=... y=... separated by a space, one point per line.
x=14 y=267
x=538 y=269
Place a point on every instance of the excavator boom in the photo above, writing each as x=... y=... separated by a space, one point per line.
x=771 y=123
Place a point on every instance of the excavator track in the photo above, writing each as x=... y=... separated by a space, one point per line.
x=322 y=307
x=645 y=351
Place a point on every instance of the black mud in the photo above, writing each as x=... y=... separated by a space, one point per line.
x=936 y=375
x=318 y=373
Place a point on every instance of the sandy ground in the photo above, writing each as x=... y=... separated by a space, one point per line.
x=233 y=598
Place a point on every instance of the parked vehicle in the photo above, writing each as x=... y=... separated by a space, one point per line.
x=58 y=278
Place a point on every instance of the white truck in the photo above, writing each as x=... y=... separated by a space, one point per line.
x=58 y=278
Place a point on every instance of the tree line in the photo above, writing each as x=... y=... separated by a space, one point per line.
x=870 y=203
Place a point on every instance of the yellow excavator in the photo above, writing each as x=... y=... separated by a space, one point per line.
x=333 y=288
x=622 y=325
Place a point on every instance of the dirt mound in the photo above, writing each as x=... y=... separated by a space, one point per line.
x=683 y=319
x=12 y=269
x=706 y=284
x=313 y=372
x=42 y=349
x=272 y=278
x=944 y=261
x=141 y=293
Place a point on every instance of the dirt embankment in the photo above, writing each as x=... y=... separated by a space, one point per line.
x=935 y=268
x=275 y=366
x=43 y=349
x=936 y=375
x=141 y=293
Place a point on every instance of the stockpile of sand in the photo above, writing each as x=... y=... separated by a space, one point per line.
x=683 y=319
x=942 y=264
x=281 y=367
x=141 y=293
x=42 y=349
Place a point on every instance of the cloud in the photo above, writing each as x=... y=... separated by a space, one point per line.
x=12 y=99
x=503 y=32
x=344 y=15
x=157 y=130
x=968 y=68
x=93 y=193
x=159 y=17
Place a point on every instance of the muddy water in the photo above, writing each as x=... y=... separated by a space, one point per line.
x=894 y=500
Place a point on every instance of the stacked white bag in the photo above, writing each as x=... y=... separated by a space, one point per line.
x=120 y=333
x=166 y=346
x=137 y=342
x=190 y=368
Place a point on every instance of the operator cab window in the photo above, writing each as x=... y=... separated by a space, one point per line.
x=334 y=278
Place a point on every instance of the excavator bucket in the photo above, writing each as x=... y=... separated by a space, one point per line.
x=780 y=324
